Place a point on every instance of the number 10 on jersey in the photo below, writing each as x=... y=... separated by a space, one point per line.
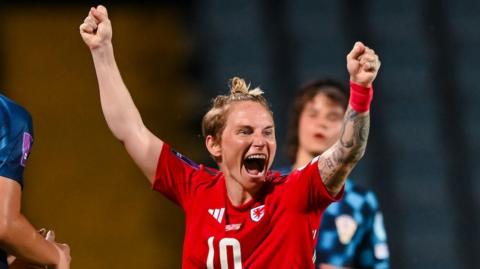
x=222 y=246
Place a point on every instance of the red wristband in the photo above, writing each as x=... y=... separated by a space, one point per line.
x=360 y=97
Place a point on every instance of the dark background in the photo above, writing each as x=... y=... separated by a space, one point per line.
x=176 y=55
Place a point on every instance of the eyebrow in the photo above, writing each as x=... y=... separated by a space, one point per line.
x=250 y=126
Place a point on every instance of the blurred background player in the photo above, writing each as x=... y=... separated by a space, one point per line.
x=17 y=235
x=352 y=233
x=242 y=216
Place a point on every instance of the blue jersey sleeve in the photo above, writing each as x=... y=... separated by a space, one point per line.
x=16 y=138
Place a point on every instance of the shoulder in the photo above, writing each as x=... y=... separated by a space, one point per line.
x=10 y=109
x=358 y=197
x=15 y=119
x=368 y=194
x=353 y=187
x=188 y=163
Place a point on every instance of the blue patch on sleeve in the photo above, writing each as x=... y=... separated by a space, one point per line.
x=186 y=160
x=16 y=138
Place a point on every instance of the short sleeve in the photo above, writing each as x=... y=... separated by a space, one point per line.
x=16 y=139
x=307 y=190
x=175 y=176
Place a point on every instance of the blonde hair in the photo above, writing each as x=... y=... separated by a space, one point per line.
x=214 y=120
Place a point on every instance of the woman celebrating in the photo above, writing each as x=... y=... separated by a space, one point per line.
x=242 y=215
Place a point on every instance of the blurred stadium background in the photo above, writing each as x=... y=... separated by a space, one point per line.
x=176 y=55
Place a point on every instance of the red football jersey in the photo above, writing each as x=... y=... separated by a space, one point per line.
x=276 y=229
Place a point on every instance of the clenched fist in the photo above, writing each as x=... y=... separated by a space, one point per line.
x=362 y=64
x=96 y=29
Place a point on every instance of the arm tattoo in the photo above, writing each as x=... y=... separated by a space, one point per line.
x=336 y=163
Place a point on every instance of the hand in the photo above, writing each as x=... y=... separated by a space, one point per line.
x=64 y=254
x=362 y=64
x=63 y=251
x=96 y=29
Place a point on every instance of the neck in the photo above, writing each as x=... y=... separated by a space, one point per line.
x=237 y=193
x=303 y=157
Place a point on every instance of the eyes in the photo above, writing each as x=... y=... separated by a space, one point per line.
x=269 y=132
x=247 y=130
x=332 y=116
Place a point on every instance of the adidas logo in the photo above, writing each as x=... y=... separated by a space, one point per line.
x=217 y=213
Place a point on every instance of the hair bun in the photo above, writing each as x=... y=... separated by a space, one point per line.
x=238 y=85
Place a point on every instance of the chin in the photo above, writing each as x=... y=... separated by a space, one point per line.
x=315 y=151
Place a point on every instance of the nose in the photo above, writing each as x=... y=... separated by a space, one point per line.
x=322 y=123
x=259 y=141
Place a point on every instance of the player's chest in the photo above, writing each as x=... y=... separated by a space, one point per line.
x=217 y=217
x=218 y=235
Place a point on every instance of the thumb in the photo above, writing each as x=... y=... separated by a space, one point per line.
x=356 y=51
x=50 y=236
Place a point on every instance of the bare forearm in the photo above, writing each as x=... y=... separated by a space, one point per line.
x=337 y=162
x=354 y=135
x=121 y=114
x=119 y=110
x=23 y=241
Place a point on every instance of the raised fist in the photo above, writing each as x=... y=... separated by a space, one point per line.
x=362 y=64
x=96 y=29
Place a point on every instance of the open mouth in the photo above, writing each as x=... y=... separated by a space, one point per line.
x=255 y=164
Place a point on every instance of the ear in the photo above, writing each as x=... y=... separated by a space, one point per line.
x=213 y=146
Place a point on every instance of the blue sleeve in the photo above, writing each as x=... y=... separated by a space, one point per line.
x=373 y=251
x=16 y=138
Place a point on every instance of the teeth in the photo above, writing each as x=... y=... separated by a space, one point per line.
x=257 y=156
